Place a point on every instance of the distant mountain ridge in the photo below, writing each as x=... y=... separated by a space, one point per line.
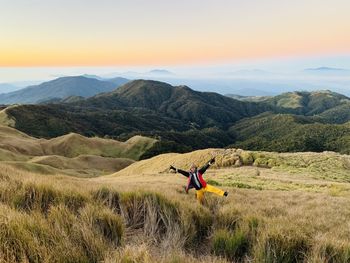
x=248 y=98
x=61 y=88
x=326 y=69
x=161 y=72
x=6 y=87
x=308 y=103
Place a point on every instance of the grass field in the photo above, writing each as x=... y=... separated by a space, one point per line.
x=277 y=210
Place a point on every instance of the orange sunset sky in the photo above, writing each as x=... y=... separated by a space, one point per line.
x=140 y=32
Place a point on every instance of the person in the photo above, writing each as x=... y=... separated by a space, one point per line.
x=195 y=180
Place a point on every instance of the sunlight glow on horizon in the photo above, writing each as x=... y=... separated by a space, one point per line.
x=107 y=32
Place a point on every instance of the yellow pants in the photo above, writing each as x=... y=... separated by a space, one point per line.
x=208 y=188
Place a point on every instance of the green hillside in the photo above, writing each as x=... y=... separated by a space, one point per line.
x=337 y=114
x=308 y=103
x=291 y=133
x=204 y=109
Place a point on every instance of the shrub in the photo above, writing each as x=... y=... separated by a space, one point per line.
x=150 y=211
x=200 y=222
x=227 y=219
x=38 y=197
x=41 y=197
x=247 y=158
x=330 y=253
x=108 y=224
x=108 y=198
x=232 y=245
x=278 y=246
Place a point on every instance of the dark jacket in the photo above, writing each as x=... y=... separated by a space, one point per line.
x=195 y=179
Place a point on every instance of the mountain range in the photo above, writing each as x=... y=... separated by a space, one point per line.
x=61 y=88
x=325 y=69
x=6 y=87
x=182 y=119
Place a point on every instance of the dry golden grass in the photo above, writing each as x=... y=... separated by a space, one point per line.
x=280 y=208
x=90 y=164
x=5 y=119
x=326 y=165
x=301 y=213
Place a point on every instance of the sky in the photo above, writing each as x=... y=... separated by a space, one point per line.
x=145 y=33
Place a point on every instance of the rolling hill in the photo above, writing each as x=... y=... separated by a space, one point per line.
x=307 y=103
x=60 y=88
x=338 y=114
x=84 y=164
x=72 y=145
x=334 y=166
x=70 y=154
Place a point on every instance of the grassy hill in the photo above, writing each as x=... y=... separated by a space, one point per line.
x=71 y=154
x=326 y=165
x=307 y=121
x=141 y=214
x=308 y=103
x=338 y=114
x=291 y=133
x=5 y=118
x=204 y=109
x=88 y=164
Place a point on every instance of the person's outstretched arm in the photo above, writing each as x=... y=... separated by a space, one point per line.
x=187 y=174
x=205 y=167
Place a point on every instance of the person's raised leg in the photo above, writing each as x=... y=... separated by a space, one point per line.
x=212 y=189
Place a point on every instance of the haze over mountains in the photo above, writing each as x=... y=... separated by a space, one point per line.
x=243 y=80
x=328 y=69
x=5 y=87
